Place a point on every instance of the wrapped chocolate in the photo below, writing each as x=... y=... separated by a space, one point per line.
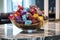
x=24 y=18
x=28 y=17
x=34 y=21
x=22 y=12
x=28 y=14
x=28 y=22
x=17 y=18
x=35 y=15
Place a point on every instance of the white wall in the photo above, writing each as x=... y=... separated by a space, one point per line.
x=46 y=7
x=27 y=3
x=9 y=5
x=57 y=9
x=1 y=6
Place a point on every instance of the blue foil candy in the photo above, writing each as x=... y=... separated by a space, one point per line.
x=24 y=18
x=28 y=22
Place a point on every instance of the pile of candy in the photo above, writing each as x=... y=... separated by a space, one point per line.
x=25 y=17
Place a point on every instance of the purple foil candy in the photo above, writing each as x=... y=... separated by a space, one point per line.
x=20 y=21
x=17 y=17
x=23 y=12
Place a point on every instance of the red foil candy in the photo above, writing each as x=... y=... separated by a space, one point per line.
x=20 y=7
x=31 y=17
x=32 y=10
x=10 y=17
x=34 y=21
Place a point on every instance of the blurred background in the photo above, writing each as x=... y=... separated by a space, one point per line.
x=50 y=7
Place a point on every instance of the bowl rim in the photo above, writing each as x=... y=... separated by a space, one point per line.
x=13 y=21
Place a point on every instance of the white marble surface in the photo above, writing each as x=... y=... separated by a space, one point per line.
x=10 y=31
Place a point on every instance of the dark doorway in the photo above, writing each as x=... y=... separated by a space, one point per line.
x=40 y=4
x=52 y=9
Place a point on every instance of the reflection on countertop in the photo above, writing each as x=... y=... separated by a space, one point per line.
x=11 y=31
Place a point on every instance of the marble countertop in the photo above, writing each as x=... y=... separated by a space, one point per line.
x=10 y=31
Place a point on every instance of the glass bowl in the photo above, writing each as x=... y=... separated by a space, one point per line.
x=26 y=27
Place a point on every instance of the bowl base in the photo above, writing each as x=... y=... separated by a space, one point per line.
x=32 y=31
